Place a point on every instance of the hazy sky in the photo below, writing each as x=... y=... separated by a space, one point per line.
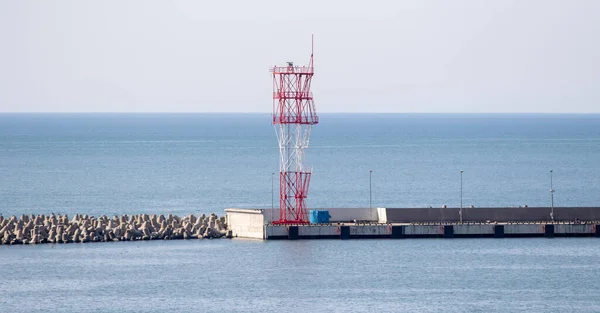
x=370 y=56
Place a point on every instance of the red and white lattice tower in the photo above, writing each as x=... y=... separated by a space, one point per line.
x=293 y=117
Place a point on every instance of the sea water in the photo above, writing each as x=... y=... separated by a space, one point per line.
x=201 y=163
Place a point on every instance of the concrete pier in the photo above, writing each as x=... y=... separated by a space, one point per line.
x=400 y=231
x=437 y=223
x=351 y=223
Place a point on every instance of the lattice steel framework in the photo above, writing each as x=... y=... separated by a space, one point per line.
x=294 y=115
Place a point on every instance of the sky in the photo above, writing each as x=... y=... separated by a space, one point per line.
x=408 y=56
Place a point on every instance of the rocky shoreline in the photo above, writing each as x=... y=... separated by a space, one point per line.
x=36 y=229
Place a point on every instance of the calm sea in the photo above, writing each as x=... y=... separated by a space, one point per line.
x=192 y=163
x=200 y=163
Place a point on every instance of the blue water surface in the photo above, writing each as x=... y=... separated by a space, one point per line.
x=200 y=163
x=412 y=275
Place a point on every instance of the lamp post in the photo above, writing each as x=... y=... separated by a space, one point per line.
x=272 y=188
x=551 y=198
x=370 y=189
x=272 y=194
x=461 y=197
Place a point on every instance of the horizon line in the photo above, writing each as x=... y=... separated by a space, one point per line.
x=255 y=112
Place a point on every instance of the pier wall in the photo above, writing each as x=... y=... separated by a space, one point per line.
x=246 y=223
x=418 y=215
x=337 y=214
x=351 y=214
x=399 y=231
x=346 y=223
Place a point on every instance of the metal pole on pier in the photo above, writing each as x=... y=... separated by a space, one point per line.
x=461 y=197
x=551 y=198
x=272 y=194
x=370 y=193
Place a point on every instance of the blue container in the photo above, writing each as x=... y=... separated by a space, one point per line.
x=318 y=217
x=313 y=216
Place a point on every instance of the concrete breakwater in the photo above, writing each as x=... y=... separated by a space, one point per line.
x=348 y=223
x=34 y=229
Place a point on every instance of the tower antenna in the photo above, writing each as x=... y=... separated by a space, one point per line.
x=294 y=114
